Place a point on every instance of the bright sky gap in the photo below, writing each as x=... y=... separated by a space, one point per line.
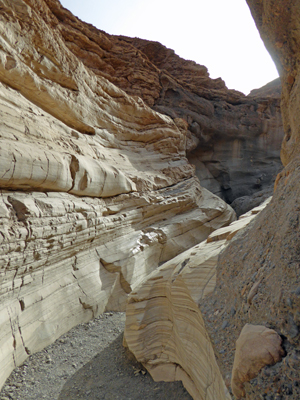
x=218 y=34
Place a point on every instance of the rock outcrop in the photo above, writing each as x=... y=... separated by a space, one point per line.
x=258 y=283
x=256 y=347
x=258 y=274
x=165 y=329
x=96 y=191
x=233 y=140
x=278 y=25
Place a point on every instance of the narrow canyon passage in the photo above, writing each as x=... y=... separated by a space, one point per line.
x=123 y=169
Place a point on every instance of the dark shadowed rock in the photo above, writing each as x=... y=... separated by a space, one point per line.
x=233 y=140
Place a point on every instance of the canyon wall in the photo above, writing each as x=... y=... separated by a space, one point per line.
x=96 y=191
x=256 y=287
x=258 y=273
x=164 y=326
x=233 y=140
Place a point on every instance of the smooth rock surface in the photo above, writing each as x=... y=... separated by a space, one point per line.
x=256 y=347
x=95 y=188
x=164 y=327
x=233 y=140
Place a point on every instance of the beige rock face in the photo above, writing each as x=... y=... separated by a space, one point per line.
x=233 y=140
x=258 y=273
x=165 y=329
x=96 y=191
x=256 y=347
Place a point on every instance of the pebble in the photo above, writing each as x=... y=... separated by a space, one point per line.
x=48 y=359
x=289 y=302
x=225 y=324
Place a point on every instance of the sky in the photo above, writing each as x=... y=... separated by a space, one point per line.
x=219 y=34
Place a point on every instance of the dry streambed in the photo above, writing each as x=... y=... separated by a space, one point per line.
x=88 y=363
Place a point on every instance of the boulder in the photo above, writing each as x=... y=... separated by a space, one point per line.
x=256 y=347
x=165 y=329
x=258 y=273
x=95 y=188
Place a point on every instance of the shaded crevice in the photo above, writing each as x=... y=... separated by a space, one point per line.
x=22 y=339
x=87 y=306
x=112 y=269
x=22 y=305
x=74 y=168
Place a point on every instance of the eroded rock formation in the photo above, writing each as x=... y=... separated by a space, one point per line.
x=165 y=329
x=256 y=347
x=233 y=140
x=96 y=191
x=257 y=280
x=258 y=274
x=278 y=24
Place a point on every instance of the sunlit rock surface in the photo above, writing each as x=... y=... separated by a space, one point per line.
x=165 y=329
x=256 y=347
x=233 y=140
x=96 y=191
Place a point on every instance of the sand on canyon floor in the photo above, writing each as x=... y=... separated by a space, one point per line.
x=88 y=363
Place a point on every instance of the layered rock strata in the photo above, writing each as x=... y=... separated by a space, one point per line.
x=258 y=283
x=96 y=191
x=258 y=274
x=278 y=24
x=164 y=327
x=233 y=140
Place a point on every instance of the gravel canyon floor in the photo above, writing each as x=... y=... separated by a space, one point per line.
x=88 y=363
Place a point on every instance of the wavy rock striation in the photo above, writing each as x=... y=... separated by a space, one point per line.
x=165 y=328
x=233 y=140
x=96 y=191
x=258 y=274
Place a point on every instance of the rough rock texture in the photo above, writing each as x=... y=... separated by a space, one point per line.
x=278 y=23
x=256 y=347
x=164 y=327
x=243 y=204
x=258 y=283
x=96 y=191
x=258 y=279
x=233 y=140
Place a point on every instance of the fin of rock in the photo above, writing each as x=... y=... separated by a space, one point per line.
x=165 y=329
x=95 y=188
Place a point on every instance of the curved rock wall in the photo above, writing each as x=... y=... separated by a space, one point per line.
x=165 y=329
x=278 y=24
x=233 y=140
x=96 y=191
x=258 y=273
